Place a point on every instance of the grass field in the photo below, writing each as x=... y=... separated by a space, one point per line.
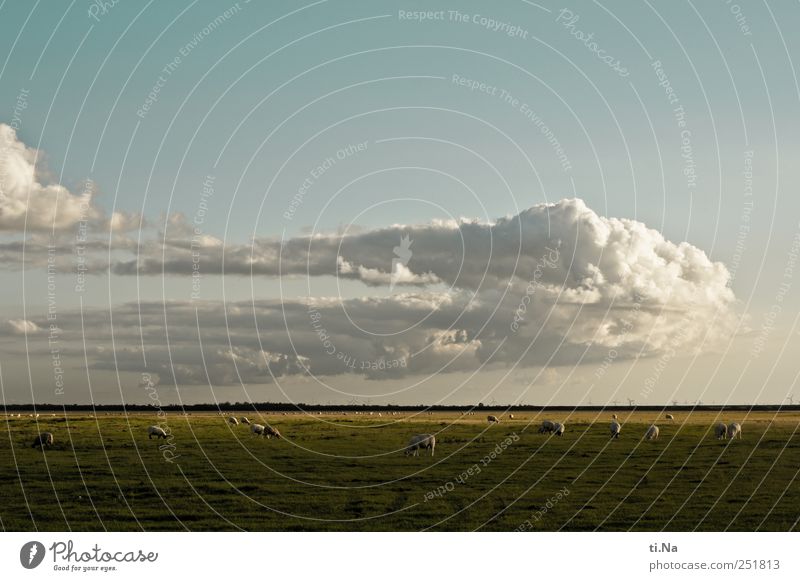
x=346 y=472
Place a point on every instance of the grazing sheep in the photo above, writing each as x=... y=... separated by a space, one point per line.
x=548 y=427
x=613 y=416
x=734 y=431
x=651 y=433
x=269 y=432
x=420 y=441
x=510 y=416
x=616 y=427
x=233 y=421
x=670 y=417
x=245 y=421
x=157 y=432
x=257 y=429
x=43 y=439
x=559 y=429
x=721 y=431
x=492 y=419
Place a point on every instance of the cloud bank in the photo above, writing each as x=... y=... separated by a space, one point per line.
x=554 y=284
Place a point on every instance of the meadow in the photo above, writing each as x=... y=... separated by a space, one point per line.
x=347 y=472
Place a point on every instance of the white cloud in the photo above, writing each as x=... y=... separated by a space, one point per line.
x=23 y=326
x=27 y=200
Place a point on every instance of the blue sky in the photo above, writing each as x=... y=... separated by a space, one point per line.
x=268 y=93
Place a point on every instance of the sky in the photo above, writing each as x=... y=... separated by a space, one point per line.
x=399 y=202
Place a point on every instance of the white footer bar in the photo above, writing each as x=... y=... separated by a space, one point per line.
x=406 y=556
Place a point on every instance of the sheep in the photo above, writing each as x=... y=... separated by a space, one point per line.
x=492 y=419
x=233 y=421
x=269 y=432
x=420 y=441
x=734 y=431
x=257 y=429
x=510 y=416
x=245 y=420
x=651 y=433
x=559 y=429
x=43 y=439
x=548 y=427
x=616 y=427
x=156 y=431
x=721 y=431
x=614 y=416
x=670 y=417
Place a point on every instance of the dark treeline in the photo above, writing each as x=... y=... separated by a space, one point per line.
x=287 y=407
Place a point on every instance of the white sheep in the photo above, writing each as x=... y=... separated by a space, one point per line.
x=558 y=429
x=548 y=427
x=420 y=441
x=269 y=432
x=156 y=431
x=734 y=431
x=613 y=416
x=245 y=420
x=43 y=439
x=233 y=421
x=616 y=428
x=721 y=431
x=670 y=417
x=510 y=416
x=257 y=429
x=651 y=433
x=492 y=419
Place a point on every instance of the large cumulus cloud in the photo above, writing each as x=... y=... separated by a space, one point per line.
x=556 y=284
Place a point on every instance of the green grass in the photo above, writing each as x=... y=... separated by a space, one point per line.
x=345 y=473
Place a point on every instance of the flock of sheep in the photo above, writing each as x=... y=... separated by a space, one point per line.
x=428 y=441
x=721 y=431
x=257 y=429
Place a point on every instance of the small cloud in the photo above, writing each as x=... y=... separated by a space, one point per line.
x=23 y=327
x=126 y=222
